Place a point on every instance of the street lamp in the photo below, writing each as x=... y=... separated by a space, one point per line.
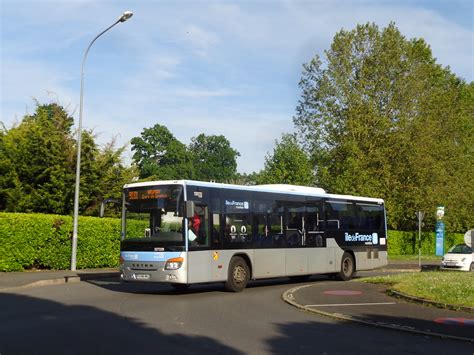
x=125 y=16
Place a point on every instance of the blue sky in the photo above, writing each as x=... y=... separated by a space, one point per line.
x=213 y=67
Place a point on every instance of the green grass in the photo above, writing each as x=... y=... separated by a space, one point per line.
x=449 y=287
x=431 y=258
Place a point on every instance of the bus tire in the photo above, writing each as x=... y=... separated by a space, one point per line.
x=238 y=275
x=347 y=267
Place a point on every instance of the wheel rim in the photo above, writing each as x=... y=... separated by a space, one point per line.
x=347 y=266
x=239 y=274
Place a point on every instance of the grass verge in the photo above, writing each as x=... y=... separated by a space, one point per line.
x=450 y=287
x=426 y=258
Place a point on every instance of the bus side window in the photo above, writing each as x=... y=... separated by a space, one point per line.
x=263 y=234
x=238 y=228
x=276 y=230
x=201 y=216
x=370 y=216
x=332 y=217
x=216 y=231
x=340 y=214
x=294 y=228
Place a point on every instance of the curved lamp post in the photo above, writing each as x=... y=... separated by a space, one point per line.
x=125 y=16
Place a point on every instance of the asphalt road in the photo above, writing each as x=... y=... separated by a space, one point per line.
x=107 y=317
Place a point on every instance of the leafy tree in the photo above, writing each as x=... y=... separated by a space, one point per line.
x=102 y=174
x=213 y=158
x=159 y=155
x=379 y=117
x=39 y=151
x=37 y=165
x=9 y=182
x=245 y=179
x=288 y=164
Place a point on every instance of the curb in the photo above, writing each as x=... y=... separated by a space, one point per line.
x=61 y=281
x=289 y=298
x=426 y=302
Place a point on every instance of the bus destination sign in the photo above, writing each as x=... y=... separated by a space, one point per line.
x=146 y=194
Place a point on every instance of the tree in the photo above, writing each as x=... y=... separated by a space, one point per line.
x=159 y=155
x=37 y=165
x=39 y=152
x=9 y=182
x=288 y=164
x=245 y=179
x=213 y=158
x=102 y=174
x=379 y=117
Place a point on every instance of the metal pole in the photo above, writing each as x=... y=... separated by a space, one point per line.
x=420 y=216
x=125 y=16
x=419 y=243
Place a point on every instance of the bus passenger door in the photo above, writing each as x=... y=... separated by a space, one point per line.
x=314 y=226
x=314 y=230
x=296 y=258
x=199 y=254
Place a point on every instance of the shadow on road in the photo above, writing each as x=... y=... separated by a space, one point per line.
x=318 y=338
x=35 y=326
x=114 y=284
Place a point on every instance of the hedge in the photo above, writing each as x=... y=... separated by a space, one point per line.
x=406 y=243
x=43 y=241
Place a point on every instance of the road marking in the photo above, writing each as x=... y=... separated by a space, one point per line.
x=455 y=321
x=342 y=293
x=349 y=304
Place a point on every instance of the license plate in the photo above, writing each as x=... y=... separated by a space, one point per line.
x=143 y=276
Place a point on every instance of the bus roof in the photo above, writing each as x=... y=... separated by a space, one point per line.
x=274 y=188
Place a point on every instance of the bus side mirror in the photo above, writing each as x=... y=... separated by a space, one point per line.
x=189 y=212
x=106 y=201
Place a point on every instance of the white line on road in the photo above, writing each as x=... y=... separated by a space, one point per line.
x=349 y=304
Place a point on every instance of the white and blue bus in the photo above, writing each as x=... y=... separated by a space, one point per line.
x=184 y=232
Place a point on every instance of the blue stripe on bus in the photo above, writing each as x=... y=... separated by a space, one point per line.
x=148 y=255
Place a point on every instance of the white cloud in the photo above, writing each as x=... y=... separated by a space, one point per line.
x=24 y=81
x=200 y=39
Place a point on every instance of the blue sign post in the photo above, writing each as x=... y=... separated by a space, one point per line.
x=439 y=238
x=440 y=231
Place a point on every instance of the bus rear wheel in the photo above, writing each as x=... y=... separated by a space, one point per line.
x=347 y=267
x=238 y=275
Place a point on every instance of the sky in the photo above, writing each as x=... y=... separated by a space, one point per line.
x=216 y=67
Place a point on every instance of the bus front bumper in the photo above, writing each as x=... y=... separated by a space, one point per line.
x=152 y=274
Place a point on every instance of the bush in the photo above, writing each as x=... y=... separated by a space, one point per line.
x=44 y=241
x=406 y=243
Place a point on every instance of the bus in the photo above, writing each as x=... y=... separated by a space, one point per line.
x=185 y=232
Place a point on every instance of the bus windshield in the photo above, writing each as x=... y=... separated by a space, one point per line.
x=154 y=214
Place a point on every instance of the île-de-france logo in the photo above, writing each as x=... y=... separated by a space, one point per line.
x=358 y=237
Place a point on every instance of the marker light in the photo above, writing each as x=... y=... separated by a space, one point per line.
x=174 y=263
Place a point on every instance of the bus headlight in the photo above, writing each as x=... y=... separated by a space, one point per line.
x=173 y=263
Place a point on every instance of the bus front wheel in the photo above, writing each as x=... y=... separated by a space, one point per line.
x=347 y=267
x=238 y=275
